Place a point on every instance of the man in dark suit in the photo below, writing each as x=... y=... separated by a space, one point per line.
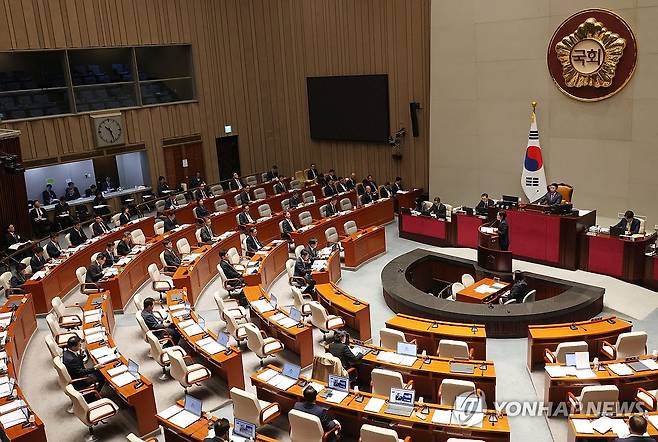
x=244 y=217
x=340 y=348
x=272 y=173
x=369 y=181
x=91 y=191
x=340 y=185
x=11 y=237
x=295 y=200
x=350 y=183
x=332 y=208
x=39 y=219
x=329 y=189
x=170 y=256
x=73 y=360
x=196 y=180
x=205 y=232
x=312 y=172
x=397 y=185
x=518 y=290
x=303 y=270
x=385 y=191
x=236 y=182
x=369 y=195
x=170 y=222
x=232 y=273
x=77 y=235
x=125 y=245
x=312 y=248
x=220 y=430
x=163 y=187
x=109 y=254
x=170 y=203
x=245 y=195
x=438 y=209
x=71 y=192
x=158 y=326
x=108 y=185
x=287 y=226
x=98 y=227
x=637 y=424
x=552 y=197
x=53 y=248
x=200 y=210
x=484 y=204
x=503 y=230
x=202 y=192
x=124 y=218
x=331 y=175
x=18 y=279
x=38 y=261
x=279 y=187
x=309 y=406
x=48 y=196
x=95 y=270
x=628 y=223
x=253 y=244
x=63 y=214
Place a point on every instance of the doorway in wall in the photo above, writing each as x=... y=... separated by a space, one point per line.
x=182 y=162
x=228 y=157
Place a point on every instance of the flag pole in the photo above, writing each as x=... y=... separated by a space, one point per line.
x=534 y=106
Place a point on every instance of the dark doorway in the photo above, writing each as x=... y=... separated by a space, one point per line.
x=182 y=162
x=228 y=157
x=104 y=167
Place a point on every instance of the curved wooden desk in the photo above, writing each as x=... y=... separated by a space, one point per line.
x=228 y=366
x=594 y=332
x=329 y=268
x=355 y=312
x=267 y=264
x=140 y=399
x=352 y=414
x=574 y=436
x=19 y=331
x=297 y=339
x=406 y=199
x=428 y=333
x=363 y=246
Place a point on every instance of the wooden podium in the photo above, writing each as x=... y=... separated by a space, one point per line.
x=490 y=257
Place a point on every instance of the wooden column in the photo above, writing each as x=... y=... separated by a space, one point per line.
x=13 y=195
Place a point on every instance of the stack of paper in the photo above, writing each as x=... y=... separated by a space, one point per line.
x=262 y=305
x=210 y=346
x=282 y=382
x=12 y=418
x=267 y=375
x=3 y=338
x=38 y=275
x=560 y=371
x=179 y=313
x=194 y=329
x=620 y=427
x=117 y=370
x=11 y=406
x=96 y=337
x=395 y=358
x=91 y=318
x=336 y=396
x=183 y=419
x=649 y=363
x=583 y=426
x=169 y=412
x=442 y=417
x=620 y=369
x=374 y=405
x=103 y=354
x=124 y=378
x=602 y=424
x=317 y=387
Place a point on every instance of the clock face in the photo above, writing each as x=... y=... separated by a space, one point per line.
x=109 y=130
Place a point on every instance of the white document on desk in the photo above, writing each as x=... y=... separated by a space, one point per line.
x=337 y=396
x=374 y=405
x=194 y=329
x=267 y=375
x=117 y=370
x=11 y=406
x=650 y=364
x=620 y=427
x=442 y=416
x=169 y=412
x=212 y=347
x=124 y=378
x=620 y=369
x=184 y=419
x=13 y=418
x=583 y=426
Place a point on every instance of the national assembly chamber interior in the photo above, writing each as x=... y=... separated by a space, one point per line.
x=326 y=220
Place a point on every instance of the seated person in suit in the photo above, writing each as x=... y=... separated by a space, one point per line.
x=369 y=181
x=63 y=214
x=312 y=172
x=170 y=256
x=303 y=270
x=385 y=191
x=108 y=186
x=484 y=204
x=236 y=182
x=74 y=361
x=170 y=222
x=124 y=218
x=71 y=192
x=170 y=203
x=100 y=204
x=206 y=233
x=48 y=196
x=332 y=207
x=244 y=217
x=77 y=235
x=253 y=244
x=12 y=237
x=95 y=270
x=196 y=180
x=220 y=431
x=438 y=209
x=350 y=183
x=272 y=173
x=295 y=200
x=309 y=406
x=552 y=197
x=18 y=279
x=341 y=185
x=232 y=273
x=53 y=248
x=158 y=326
x=279 y=187
x=200 y=210
x=628 y=223
x=518 y=290
x=91 y=191
x=420 y=207
x=40 y=220
x=312 y=248
x=109 y=254
x=245 y=195
x=331 y=175
x=202 y=192
x=397 y=185
x=367 y=196
x=98 y=227
x=329 y=189
x=637 y=424
x=38 y=261
x=125 y=244
x=163 y=187
x=340 y=348
x=287 y=226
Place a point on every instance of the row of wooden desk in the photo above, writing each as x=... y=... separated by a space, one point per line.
x=575 y=436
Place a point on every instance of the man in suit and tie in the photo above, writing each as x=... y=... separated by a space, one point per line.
x=312 y=248
x=98 y=227
x=63 y=214
x=309 y=406
x=295 y=200
x=38 y=261
x=125 y=245
x=272 y=173
x=77 y=235
x=628 y=223
x=39 y=219
x=236 y=182
x=95 y=270
x=369 y=181
x=329 y=189
x=332 y=208
x=53 y=248
x=279 y=187
x=438 y=209
x=331 y=175
x=170 y=222
x=484 y=204
x=637 y=424
x=312 y=172
x=244 y=217
x=552 y=197
x=170 y=203
x=124 y=218
x=196 y=180
x=350 y=183
x=503 y=230
x=48 y=196
x=253 y=244
x=158 y=326
x=200 y=210
x=202 y=192
x=73 y=360
x=12 y=237
x=170 y=256
x=369 y=195
x=108 y=185
x=385 y=191
x=518 y=290
x=163 y=187
x=232 y=273
x=397 y=185
x=245 y=195
x=340 y=348
x=71 y=192
x=205 y=232
x=340 y=185
x=303 y=270
x=109 y=255
x=287 y=227
x=18 y=279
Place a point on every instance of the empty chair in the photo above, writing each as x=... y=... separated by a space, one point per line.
x=5 y=281
x=238 y=200
x=251 y=180
x=285 y=204
x=217 y=189
x=228 y=307
x=331 y=234
x=467 y=279
x=94 y=256
x=54 y=349
x=345 y=204
x=115 y=219
x=628 y=345
x=160 y=206
x=305 y=427
x=158 y=227
x=67 y=316
x=159 y=283
x=235 y=258
x=324 y=321
x=259 y=193
x=142 y=325
x=305 y=218
x=647 y=399
x=260 y=344
x=593 y=399
x=161 y=354
x=91 y=413
x=183 y=246
x=530 y=297
x=350 y=228
x=264 y=210
x=186 y=375
x=301 y=300
x=323 y=211
x=221 y=206
x=138 y=237
x=247 y=407
x=308 y=197
x=86 y=288
x=449 y=348
x=180 y=199
x=235 y=328
x=456 y=287
x=560 y=354
x=383 y=380
x=371 y=433
x=296 y=185
x=451 y=388
x=67 y=240
x=389 y=338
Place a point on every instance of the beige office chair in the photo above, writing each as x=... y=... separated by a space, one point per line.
x=138 y=237
x=160 y=206
x=260 y=344
x=67 y=240
x=295 y=185
x=452 y=349
x=383 y=380
x=530 y=296
x=451 y=388
x=324 y=321
x=93 y=257
x=594 y=398
x=305 y=427
x=305 y=218
x=217 y=189
x=345 y=204
x=158 y=227
x=158 y=309
x=132 y=438
x=142 y=326
x=295 y=281
x=264 y=210
x=308 y=197
x=115 y=220
x=183 y=246
x=301 y=301
x=259 y=193
x=350 y=228
x=285 y=204
x=221 y=206
x=187 y=375
x=647 y=399
x=54 y=349
x=298 y=251
x=247 y=407
x=64 y=379
x=197 y=236
x=371 y=433
x=86 y=288
x=628 y=345
x=389 y=338
x=229 y=307
x=560 y=353
x=467 y=279
x=566 y=190
x=159 y=283
x=180 y=199
x=235 y=328
x=251 y=180
x=5 y=280
x=238 y=200
x=331 y=234
x=326 y=364
x=67 y=316
x=235 y=258
x=160 y=354
x=91 y=414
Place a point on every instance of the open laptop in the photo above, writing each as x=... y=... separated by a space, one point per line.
x=295 y=314
x=401 y=402
x=409 y=353
x=189 y=414
x=244 y=429
x=193 y=405
x=287 y=378
x=338 y=387
x=274 y=301
x=133 y=369
x=222 y=339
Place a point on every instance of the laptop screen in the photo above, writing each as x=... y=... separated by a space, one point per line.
x=133 y=368
x=407 y=349
x=273 y=301
x=295 y=314
x=570 y=359
x=201 y=322
x=510 y=199
x=222 y=339
x=291 y=370
x=244 y=429
x=339 y=383
x=402 y=396
x=193 y=405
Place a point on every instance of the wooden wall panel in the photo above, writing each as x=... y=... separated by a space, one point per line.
x=251 y=60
